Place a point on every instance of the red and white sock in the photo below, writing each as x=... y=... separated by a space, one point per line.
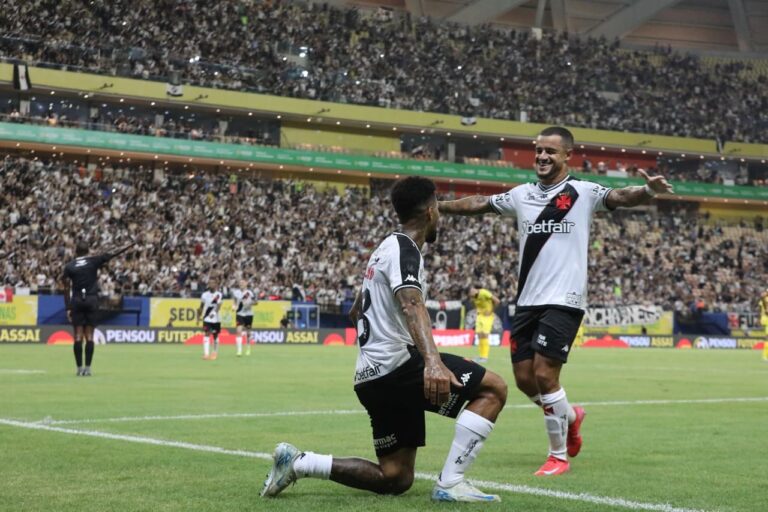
x=556 y=407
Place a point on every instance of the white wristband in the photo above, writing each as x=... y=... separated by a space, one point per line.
x=649 y=191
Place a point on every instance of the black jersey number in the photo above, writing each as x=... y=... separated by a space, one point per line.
x=363 y=324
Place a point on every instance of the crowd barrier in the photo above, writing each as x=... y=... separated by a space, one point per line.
x=62 y=335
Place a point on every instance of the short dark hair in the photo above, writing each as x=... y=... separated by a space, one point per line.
x=410 y=196
x=564 y=134
x=82 y=248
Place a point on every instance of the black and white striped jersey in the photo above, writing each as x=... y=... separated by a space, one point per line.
x=211 y=302
x=553 y=225
x=382 y=334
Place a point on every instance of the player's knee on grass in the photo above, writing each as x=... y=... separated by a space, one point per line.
x=396 y=474
x=398 y=482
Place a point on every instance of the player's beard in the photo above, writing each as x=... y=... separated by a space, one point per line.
x=553 y=171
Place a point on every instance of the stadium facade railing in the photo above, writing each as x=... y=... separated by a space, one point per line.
x=357 y=118
x=381 y=167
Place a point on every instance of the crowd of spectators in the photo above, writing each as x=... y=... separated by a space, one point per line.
x=292 y=240
x=147 y=124
x=376 y=57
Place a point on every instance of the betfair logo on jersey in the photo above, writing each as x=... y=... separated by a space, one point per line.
x=547 y=227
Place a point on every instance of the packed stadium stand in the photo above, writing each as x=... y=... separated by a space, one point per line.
x=374 y=57
x=296 y=241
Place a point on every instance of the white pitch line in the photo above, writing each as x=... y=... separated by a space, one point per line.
x=203 y=416
x=722 y=371
x=496 y=486
x=20 y=372
x=361 y=411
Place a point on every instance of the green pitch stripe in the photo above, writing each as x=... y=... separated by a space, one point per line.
x=496 y=486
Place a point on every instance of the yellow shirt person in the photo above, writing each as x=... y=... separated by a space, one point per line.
x=485 y=302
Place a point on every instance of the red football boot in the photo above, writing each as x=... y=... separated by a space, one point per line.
x=574 y=436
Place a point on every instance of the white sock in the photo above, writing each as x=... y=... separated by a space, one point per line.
x=206 y=346
x=536 y=399
x=313 y=465
x=556 y=407
x=471 y=431
x=239 y=343
x=216 y=345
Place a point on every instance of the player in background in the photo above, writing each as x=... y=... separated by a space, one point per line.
x=244 y=300
x=210 y=303
x=554 y=216
x=81 y=298
x=400 y=374
x=485 y=302
x=764 y=322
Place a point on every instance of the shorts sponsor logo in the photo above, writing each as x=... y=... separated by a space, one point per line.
x=465 y=377
x=565 y=349
x=450 y=404
x=542 y=340
x=387 y=441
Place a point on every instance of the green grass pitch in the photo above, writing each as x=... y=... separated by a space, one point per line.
x=665 y=430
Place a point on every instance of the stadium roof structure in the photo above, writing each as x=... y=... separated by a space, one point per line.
x=735 y=27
